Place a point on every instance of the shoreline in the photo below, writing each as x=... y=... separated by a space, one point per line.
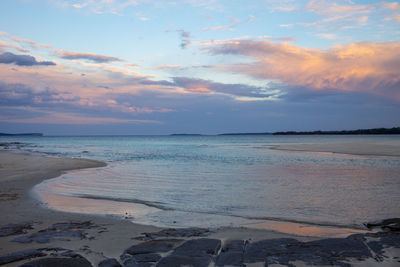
x=343 y=148
x=101 y=237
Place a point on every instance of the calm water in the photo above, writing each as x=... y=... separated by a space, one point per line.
x=222 y=180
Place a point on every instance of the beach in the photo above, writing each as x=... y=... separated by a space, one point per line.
x=32 y=232
x=346 y=148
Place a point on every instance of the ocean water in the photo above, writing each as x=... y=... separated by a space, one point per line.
x=216 y=181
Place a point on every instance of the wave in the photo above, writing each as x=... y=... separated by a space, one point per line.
x=157 y=205
x=162 y=206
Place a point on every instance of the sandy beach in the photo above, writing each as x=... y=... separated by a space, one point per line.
x=345 y=148
x=32 y=233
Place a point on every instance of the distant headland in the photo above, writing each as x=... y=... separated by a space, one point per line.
x=21 y=134
x=394 y=130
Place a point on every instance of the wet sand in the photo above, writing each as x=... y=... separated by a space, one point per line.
x=64 y=235
x=345 y=148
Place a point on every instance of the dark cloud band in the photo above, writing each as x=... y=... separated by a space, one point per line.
x=22 y=60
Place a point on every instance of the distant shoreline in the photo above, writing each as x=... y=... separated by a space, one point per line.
x=372 y=131
x=21 y=134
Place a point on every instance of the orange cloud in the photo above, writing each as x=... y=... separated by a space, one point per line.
x=364 y=66
x=391 y=5
x=329 y=7
x=88 y=56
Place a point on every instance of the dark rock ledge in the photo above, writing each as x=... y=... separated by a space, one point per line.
x=190 y=247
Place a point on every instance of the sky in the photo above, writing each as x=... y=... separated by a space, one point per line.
x=135 y=67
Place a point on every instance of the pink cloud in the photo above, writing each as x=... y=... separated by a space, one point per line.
x=74 y=119
x=365 y=66
x=218 y=28
x=168 y=67
x=323 y=7
x=88 y=56
x=391 y=5
x=13 y=46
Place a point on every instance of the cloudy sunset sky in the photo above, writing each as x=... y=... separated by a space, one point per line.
x=198 y=66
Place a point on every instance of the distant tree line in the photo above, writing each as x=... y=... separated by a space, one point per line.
x=394 y=130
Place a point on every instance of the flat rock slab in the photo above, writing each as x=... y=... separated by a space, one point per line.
x=232 y=254
x=60 y=231
x=195 y=252
x=45 y=236
x=142 y=260
x=181 y=260
x=15 y=229
x=383 y=240
x=259 y=251
x=333 y=251
x=172 y=232
x=392 y=224
x=109 y=263
x=20 y=255
x=154 y=246
x=198 y=247
x=58 y=262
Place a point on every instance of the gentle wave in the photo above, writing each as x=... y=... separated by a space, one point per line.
x=157 y=205
x=162 y=206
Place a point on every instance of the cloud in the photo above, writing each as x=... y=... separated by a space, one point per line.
x=168 y=67
x=328 y=36
x=218 y=28
x=391 y=5
x=22 y=60
x=394 y=18
x=337 y=16
x=323 y=7
x=74 y=119
x=282 y=5
x=18 y=94
x=88 y=56
x=27 y=41
x=240 y=92
x=364 y=66
x=185 y=38
x=13 y=46
x=105 y=6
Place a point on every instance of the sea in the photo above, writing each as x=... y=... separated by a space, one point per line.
x=222 y=181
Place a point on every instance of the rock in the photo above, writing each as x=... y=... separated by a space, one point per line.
x=15 y=229
x=392 y=224
x=109 y=263
x=58 y=262
x=186 y=232
x=61 y=231
x=142 y=260
x=73 y=225
x=199 y=247
x=20 y=255
x=195 y=252
x=341 y=247
x=181 y=260
x=154 y=246
x=45 y=236
x=147 y=257
x=330 y=251
x=386 y=239
x=259 y=251
x=231 y=254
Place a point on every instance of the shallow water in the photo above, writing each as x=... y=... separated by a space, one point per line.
x=213 y=181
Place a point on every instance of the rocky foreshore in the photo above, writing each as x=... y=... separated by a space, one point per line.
x=193 y=247
x=31 y=235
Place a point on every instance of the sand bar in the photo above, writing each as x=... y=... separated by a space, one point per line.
x=345 y=148
x=47 y=236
